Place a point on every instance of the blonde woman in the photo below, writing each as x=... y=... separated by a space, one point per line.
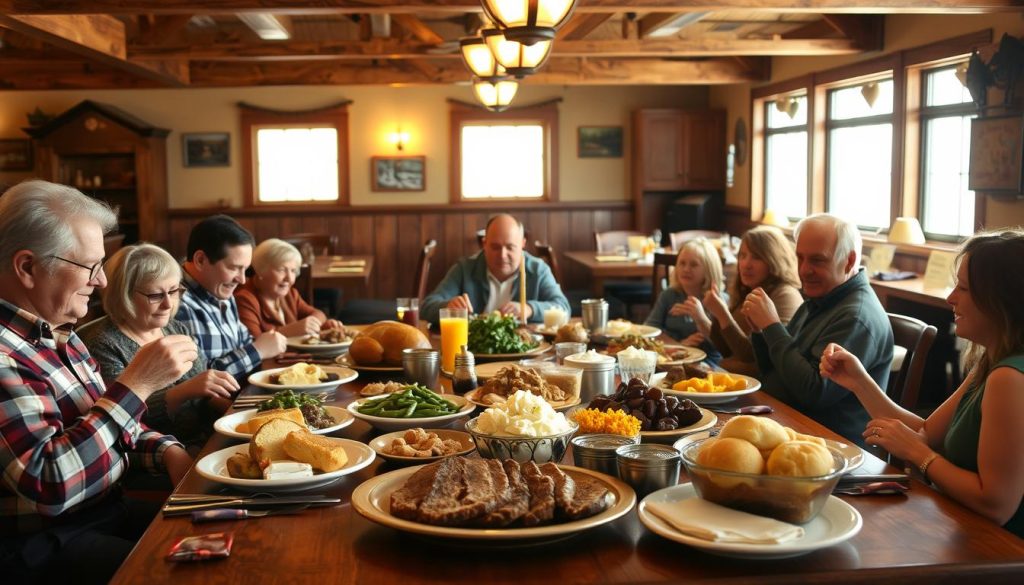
x=766 y=260
x=269 y=301
x=141 y=297
x=677 y=311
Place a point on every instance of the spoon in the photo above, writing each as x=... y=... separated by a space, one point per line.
x=755 y=409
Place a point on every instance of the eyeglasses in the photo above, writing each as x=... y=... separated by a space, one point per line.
x=156 y=298
x=94 y=270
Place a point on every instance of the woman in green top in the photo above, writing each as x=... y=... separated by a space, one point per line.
x=972 y=446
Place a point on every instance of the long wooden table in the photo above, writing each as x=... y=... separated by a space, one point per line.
x=922 y=537
x=912 y=290
x=601 y=271
x=355 y=270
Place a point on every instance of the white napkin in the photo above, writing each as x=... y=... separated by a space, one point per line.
x=702 y=519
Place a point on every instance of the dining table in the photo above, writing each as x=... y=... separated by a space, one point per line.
x=602 y=267
x=920 y=536
x=338 y=272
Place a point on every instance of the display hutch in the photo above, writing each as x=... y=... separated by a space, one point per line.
x=111 y=155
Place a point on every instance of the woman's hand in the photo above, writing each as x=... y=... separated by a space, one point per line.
x=213 y=384
x=177 y=462
x=308 y=326
x=897 y=438
x=714 y=304
x=693 y=309
x=332 y=324
x=759 y=309
x=693 y=340
x=843 y=368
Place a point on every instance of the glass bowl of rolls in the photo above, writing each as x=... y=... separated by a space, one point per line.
x=759 y=466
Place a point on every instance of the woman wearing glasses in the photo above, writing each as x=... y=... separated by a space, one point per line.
x=141 y=297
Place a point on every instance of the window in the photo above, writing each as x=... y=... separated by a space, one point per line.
x=508 y=155
x=295 y=157
x=785 y=168
x=947 y=205
x=859 y=153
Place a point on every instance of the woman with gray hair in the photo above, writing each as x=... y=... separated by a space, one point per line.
x=269 y=302
x=142 y=295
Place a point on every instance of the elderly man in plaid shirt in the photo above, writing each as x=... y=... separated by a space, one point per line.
x=66 y=439
x=219 y=251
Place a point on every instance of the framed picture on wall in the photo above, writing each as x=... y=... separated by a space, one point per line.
x=599 y=142
x=209 y=149
x=398 y=173
x=997 y=154
x=15 y=155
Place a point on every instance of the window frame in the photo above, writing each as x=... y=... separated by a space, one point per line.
x=768 y=132
x=254 y=118
x=545 y=114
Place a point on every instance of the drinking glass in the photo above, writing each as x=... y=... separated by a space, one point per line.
x=412 y=313
x=454 y=334
x=637 y=366
x=565 y=349
x=401 y=306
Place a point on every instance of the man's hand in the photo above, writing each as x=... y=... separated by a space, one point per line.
x=512 y=309
x=158 y=364
x=331 y=324
x=693 y=340
x=209 y=384
x=760 y=310
x=461 y=302
x=177 y=462
x=307 y=326
x=270 y=344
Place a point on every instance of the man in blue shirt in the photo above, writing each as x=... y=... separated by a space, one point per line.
x=219 y=251
x=489 y=280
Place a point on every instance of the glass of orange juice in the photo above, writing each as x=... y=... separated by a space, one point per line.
x=454 y=334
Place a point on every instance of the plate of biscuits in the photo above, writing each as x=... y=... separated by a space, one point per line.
x=242 y=424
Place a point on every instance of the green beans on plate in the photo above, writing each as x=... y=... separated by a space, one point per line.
x=414 y=401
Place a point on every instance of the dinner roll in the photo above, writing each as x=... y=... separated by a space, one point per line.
x=731 y=454
x=267 y=444
x=800 y=459
x=764 y=433
x=383 y=342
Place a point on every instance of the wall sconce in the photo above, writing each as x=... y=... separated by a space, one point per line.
x=870 y=93
x=528 y=21
x=399 y=139
x=517 y=58
x=478 y=58
x=789 y=106
x=495 y=95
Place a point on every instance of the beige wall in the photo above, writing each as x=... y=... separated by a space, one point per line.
x=901 y=32
x=375 y=112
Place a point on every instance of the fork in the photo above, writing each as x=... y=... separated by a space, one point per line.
x=875 y=487
x=753 y=409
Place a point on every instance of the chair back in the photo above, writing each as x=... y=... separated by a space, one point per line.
x=917 y=337
x=608 y=242
x=322 y=244
x=111 y=244
x=663 y=265
x=546 y=253
x=423 y=268
x=679 y=238
x=304 y=283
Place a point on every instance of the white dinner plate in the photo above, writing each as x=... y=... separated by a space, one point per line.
x=707 y=420
x=542 y=346
x=297 y=344
x=389 y=424
x=633 y=329
x=837 y=522
x=558 y=405
x=214 y=468
x=854 y=455
x=753 y=385
x=262 y=379
x=383 y=442
x=372 y=499
x=227 y=424
x=693 y=355
x=344 y=360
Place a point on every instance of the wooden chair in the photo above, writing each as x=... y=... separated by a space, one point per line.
x=662 y=273
x=547 y=254
x=423 y=269
x=111 y=244
x=611 y=241
x=677 y=239
x=361 y=311
x=309 y=244
x=322 y=244
x=629 y=293
x=917 y=337
x=575 y=296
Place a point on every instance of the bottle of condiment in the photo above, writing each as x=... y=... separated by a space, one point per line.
x=464 y=376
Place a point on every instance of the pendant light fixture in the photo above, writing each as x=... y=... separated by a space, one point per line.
x=528 y=21
x=478 y=58
x=517 y=58
x=495 y=95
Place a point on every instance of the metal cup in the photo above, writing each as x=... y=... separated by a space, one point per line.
x=595 y=314
x=422 y=366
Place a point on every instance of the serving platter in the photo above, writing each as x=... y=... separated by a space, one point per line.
x=386 y=423
x=296 y=344
x=837 y=522
x=753 y=385
x=345 y=374
x=542 y=347
x=227 y=424
x=214 y=468
x=633 y=329
x=559 y=405
x=692 y=356
x=372 y=499
x=381 y=443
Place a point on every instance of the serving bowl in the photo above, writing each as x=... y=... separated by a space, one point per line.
x=388 y=424
x=522 y=449
x=790 y=499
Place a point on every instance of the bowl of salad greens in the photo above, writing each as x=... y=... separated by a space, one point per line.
x=496 y=336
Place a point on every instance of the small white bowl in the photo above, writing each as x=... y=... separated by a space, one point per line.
x=388 y=424
x=262 y=379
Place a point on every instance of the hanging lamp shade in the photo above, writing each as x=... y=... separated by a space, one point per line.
x=495 y=95
x=529 y=21
x=517 y=59
x=479 y=59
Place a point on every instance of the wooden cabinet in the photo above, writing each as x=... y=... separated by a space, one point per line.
x=679 y=150
x=111 y=155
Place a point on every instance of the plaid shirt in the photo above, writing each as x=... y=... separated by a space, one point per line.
x=66 y=439
x=221 y=337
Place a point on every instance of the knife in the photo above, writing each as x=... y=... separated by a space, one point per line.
x=220 y=514
x=870 y=478
x=181 y=509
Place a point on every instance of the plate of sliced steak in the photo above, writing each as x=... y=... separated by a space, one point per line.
x=471 y=498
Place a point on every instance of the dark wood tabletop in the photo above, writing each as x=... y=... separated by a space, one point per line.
x=922 y=537
x=912 y=289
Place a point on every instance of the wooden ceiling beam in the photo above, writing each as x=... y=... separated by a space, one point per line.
x=558 y=71
x=418 y=28
x=654 y=21
x=397 y=49
x=866 y=30
x=815 y=29
x=581 y=25
x=55 y=75
x=122 y=7
x=97 y=38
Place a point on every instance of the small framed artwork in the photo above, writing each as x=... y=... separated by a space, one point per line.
x=399 y=173
x=15 y=155
x=997 y=154
x=599 y=142
x=210 y=149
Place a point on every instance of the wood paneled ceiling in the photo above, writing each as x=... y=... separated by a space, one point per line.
x=66 y=44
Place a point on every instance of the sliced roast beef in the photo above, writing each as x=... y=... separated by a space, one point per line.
x=592 y=497
x=405 y=502
x=565 y=487
x=542 y=495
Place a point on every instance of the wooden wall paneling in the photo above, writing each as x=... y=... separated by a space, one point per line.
x=291 y=224
x=342 y=226
x=432 y=228
x=386 y=253
x=407 y=252
x=451 y=242
x=362 y=237
x=536 y=223
x=268 y=227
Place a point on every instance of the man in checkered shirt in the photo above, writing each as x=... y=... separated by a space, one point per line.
x=66 y=439
x=219 y=251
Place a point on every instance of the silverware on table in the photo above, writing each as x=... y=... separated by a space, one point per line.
x=753 y=409
x=182 y=506
x=872 y=488
x=873 y=477
x=221 y=514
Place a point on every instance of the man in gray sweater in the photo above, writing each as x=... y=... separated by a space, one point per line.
x=840 y=307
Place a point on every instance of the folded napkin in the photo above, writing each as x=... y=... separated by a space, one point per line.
x=613 y=258
x=344 y=269
x=359 y=262
x=702 y=519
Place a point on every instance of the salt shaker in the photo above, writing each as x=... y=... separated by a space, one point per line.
x=464 y=376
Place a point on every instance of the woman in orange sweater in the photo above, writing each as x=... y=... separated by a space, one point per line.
x=269 y=302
